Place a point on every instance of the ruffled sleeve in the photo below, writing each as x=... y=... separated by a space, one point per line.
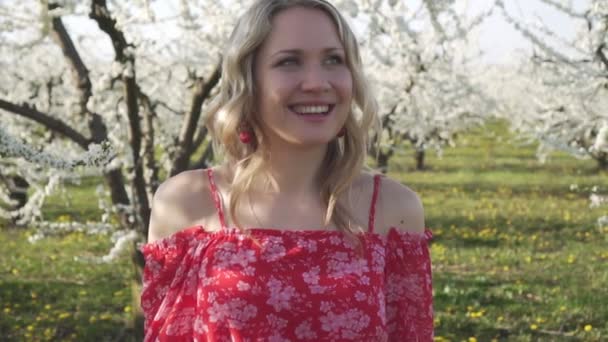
x=409 y=290
x=166 y=263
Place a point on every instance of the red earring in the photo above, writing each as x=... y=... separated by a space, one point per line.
x=342 y=132
x=245 y=137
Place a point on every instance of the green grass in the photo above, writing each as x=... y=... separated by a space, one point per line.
x=46 y=294
x=517 y=255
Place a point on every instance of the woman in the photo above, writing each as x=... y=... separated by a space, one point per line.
x=339 y=253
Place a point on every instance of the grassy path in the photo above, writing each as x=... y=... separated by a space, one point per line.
x=517 y=254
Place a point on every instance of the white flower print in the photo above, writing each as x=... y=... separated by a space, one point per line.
x=211 y=297
x=276 y=323
x=348 y=324
x=382 y=306
x=312 y=276
x=309 y=245
x=316 y=289
x=279 y=295
x=228 y=255
x=183 y=323
x=249 y=271
x=326 y=306
x=338 y=269
x=243 y=286
x=304 y=331
x=272 y=249
x=378 y=259
x=199 y=326
x=219 y=289
x=399 y=287
x=236 y=312
x=276 y=338
x=335 y=240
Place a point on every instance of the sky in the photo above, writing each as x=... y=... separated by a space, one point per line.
x=499 y=41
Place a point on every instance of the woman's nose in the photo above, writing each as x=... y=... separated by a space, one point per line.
x=315 y=79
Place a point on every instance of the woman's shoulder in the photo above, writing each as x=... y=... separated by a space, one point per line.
x=181 y=201
x=397 y=205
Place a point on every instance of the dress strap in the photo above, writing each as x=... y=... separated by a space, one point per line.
x=216 y=198
x=372 y=209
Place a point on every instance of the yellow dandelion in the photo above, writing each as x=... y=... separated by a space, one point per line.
x=571 y=259
x=440 y=339
x=533 y=326
x=472 y=339
x=588 y=327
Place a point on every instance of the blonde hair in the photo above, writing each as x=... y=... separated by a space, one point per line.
x=231 y=110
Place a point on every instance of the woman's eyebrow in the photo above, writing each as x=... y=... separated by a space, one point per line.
x=300 y=51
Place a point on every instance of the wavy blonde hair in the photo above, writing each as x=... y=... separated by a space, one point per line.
x=232 y=109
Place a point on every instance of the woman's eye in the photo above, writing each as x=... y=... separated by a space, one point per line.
x=287 y=61
x=335 y=60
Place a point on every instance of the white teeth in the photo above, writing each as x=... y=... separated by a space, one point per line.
x=311 y=109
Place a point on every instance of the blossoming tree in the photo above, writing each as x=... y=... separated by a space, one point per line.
x=564 y=102
x=420 y=53
x=96 y=71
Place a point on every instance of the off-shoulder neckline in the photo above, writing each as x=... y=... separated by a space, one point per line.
x=426 y=234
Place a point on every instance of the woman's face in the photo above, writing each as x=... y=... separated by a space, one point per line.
x=303 y=85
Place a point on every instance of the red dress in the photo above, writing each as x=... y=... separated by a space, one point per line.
x=302 y=285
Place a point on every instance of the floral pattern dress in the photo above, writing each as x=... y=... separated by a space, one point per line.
x=297 y=285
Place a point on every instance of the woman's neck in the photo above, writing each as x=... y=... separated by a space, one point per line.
x=295 y=172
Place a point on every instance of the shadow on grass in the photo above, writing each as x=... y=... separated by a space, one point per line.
x=60 y=311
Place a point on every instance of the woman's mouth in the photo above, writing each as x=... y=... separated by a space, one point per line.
x=312 y=110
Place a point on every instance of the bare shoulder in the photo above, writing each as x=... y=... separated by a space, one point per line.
x=180 y=202
x=398 y=206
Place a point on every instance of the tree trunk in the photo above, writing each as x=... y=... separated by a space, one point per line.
x=17 y=186
x=137 y=321
x=383 y=161
x=602 y=161
x=419 y=159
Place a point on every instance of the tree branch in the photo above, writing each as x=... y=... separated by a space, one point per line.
x=601 y=55
x=185 y=146
x=47 y=121
x=81 y=74
x=101 y=14
x=148 y=145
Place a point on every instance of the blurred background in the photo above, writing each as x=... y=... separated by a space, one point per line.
x=495 y=112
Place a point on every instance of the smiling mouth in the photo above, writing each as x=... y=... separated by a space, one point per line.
x=319 y=110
